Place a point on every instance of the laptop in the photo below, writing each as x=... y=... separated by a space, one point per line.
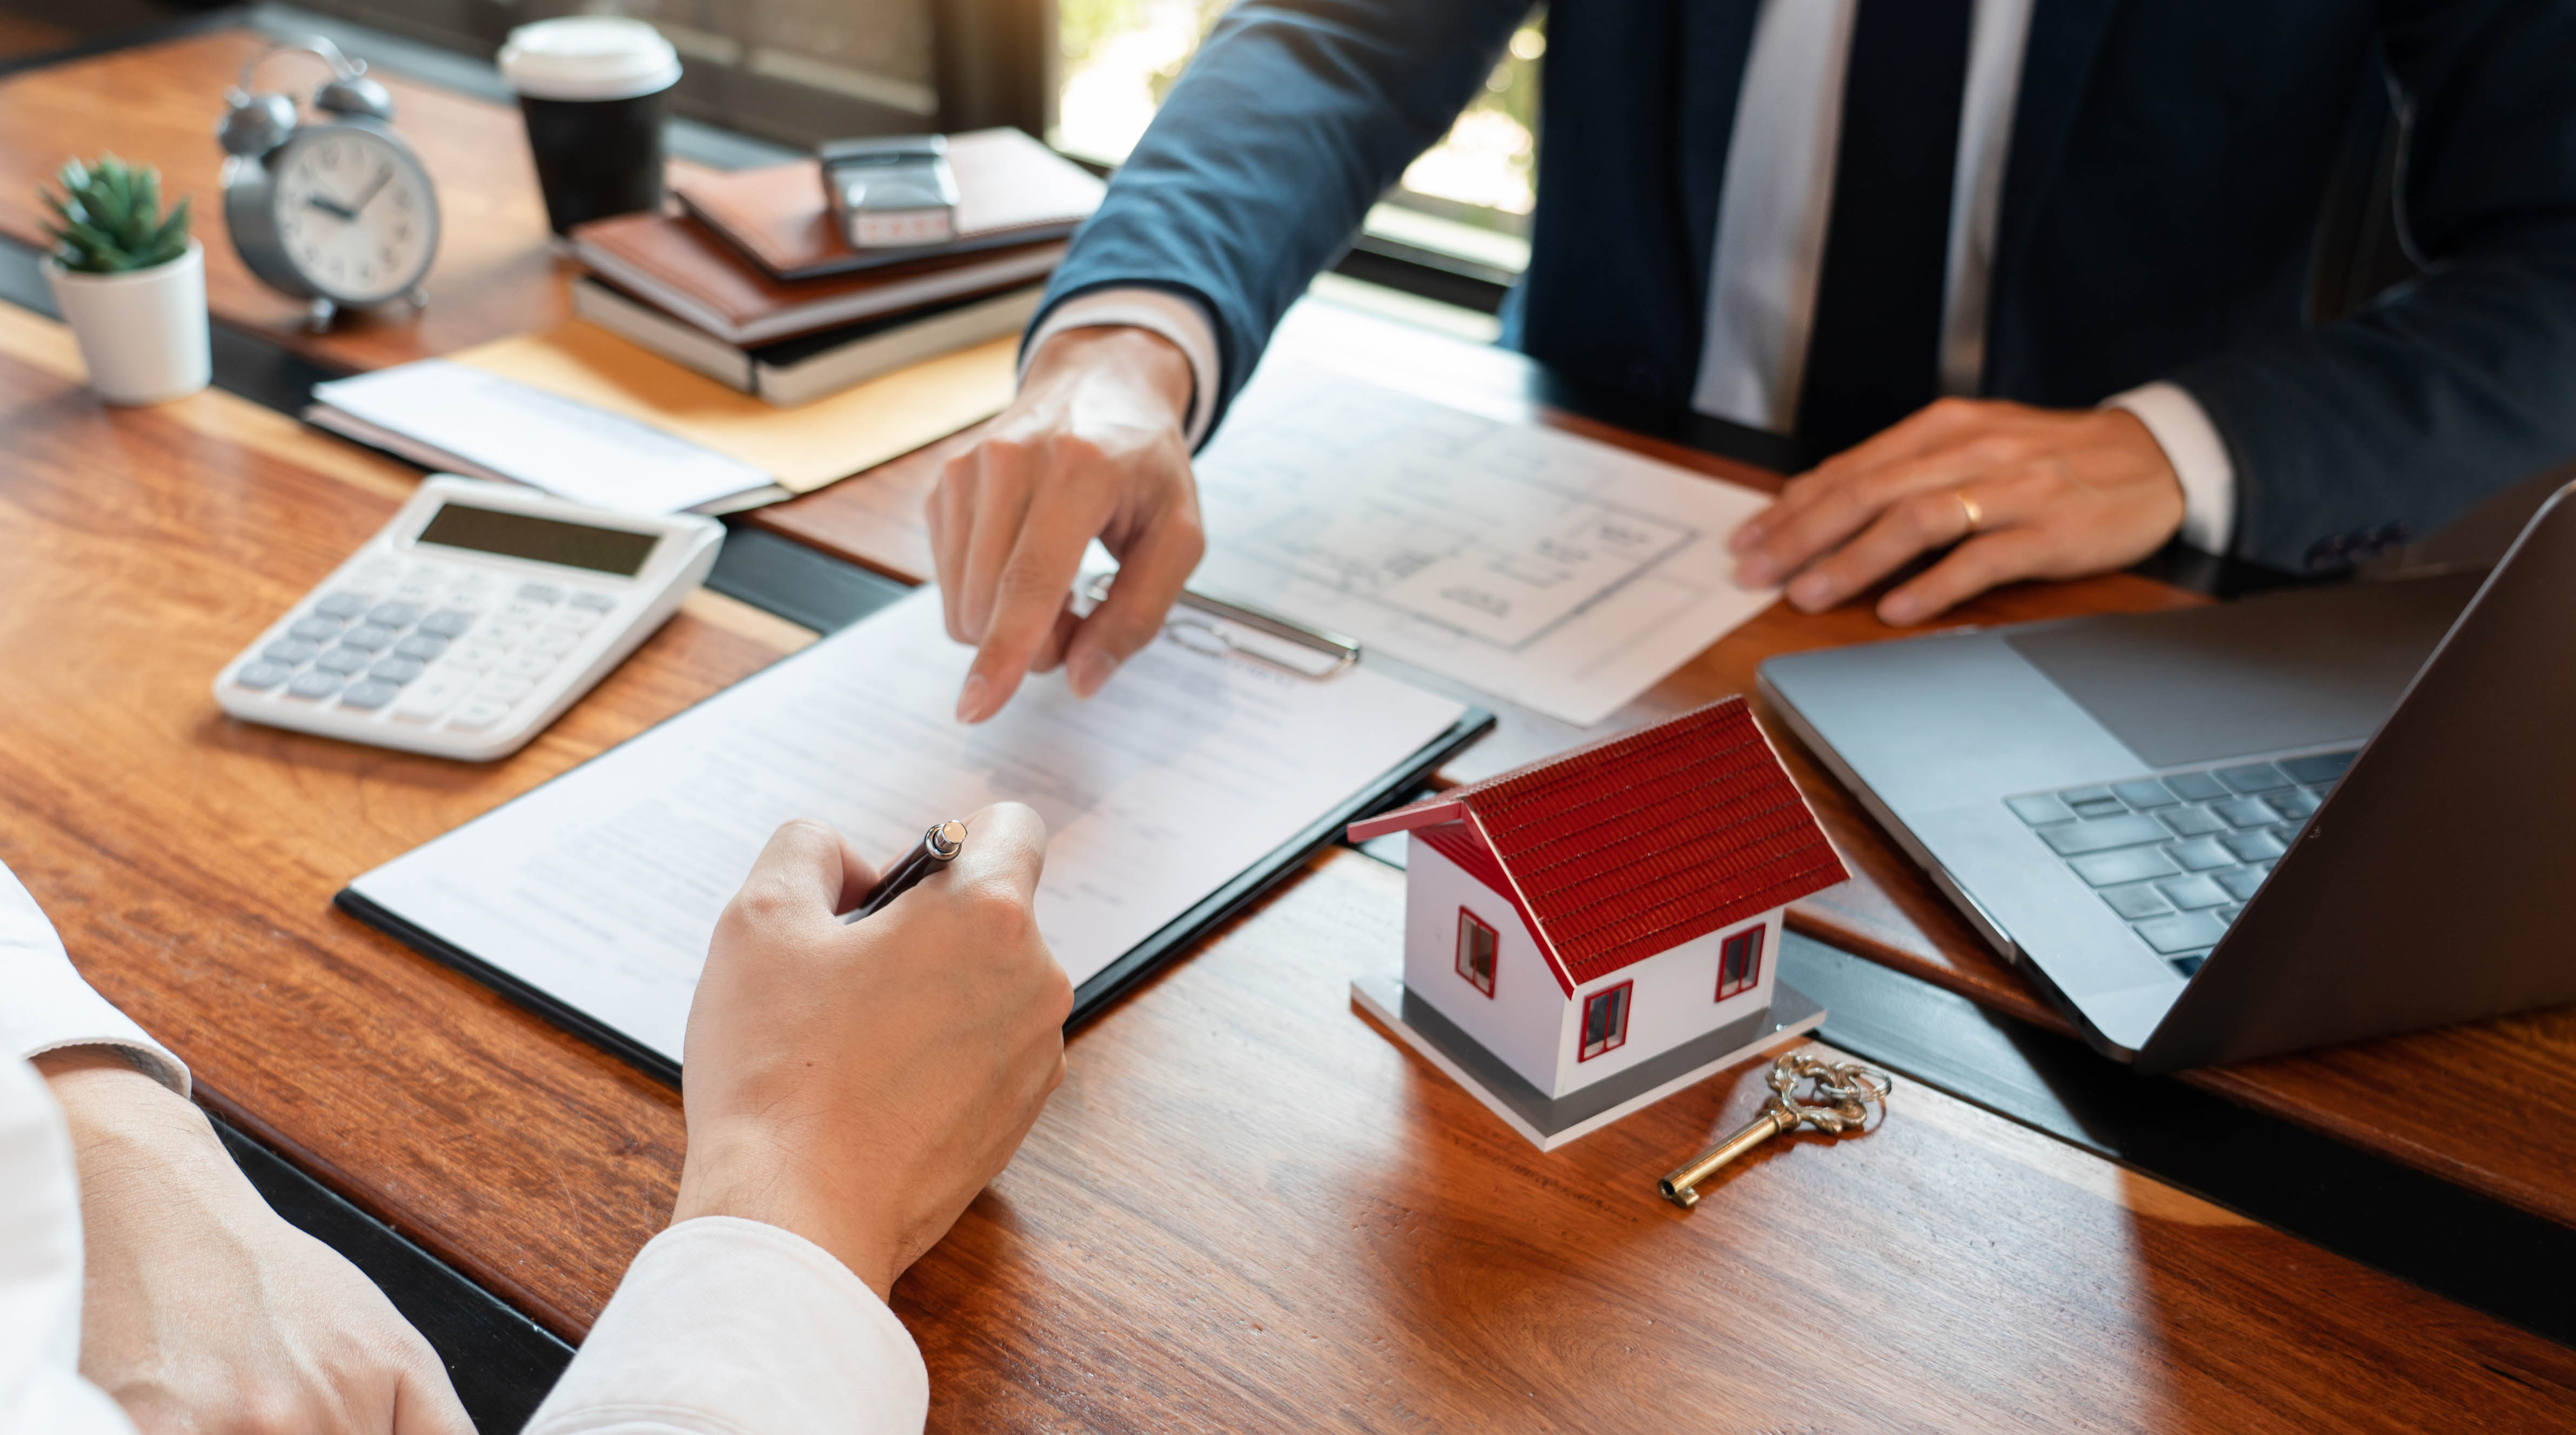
x=2224 y=832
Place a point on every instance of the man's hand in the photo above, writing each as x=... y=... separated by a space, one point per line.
x=1092 y=448
x=2022 y=492
x=859 y=1084
x=205 y=1312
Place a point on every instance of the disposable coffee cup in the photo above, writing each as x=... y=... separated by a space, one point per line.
x=594 y=90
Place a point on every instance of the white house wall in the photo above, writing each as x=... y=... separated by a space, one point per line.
x=1675 y=1001
x=1522 y=1020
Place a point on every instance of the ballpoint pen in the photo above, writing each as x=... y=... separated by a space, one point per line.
x=937 y=848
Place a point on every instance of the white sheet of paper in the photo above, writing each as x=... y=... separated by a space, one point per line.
x=1560 y=573
x=586 y=454
x=601 y=887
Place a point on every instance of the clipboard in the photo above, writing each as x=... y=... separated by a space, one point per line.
x=1094 y=994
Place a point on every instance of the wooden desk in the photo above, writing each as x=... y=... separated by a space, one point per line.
x=2397 y=1097
x=1246 y=1210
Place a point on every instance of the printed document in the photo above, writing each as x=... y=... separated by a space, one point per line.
x=501 y=428
x=1541 y=567
x=601 y=888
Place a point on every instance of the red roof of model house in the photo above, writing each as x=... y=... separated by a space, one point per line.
x=1635 y=844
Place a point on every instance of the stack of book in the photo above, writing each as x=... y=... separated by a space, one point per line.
x=752 y=284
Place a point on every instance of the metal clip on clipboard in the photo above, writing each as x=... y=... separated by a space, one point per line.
x=1214 y=626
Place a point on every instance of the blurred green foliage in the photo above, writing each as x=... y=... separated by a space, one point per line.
x=110 y=218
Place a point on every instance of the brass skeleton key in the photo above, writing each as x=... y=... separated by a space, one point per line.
x=1844 y=1092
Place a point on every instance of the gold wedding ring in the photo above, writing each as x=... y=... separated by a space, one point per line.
x=1968 y=506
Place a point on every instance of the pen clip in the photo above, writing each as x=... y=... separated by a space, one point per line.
x=1212 y=618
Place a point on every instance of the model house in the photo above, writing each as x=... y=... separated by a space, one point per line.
x=1612 y=912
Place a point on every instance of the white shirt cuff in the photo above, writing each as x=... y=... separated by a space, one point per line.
x=2198 y=455
x=1183 y=321
x=731 y=1327
x=48 y=1007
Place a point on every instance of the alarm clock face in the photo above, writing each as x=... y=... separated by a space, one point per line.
x=354 y=212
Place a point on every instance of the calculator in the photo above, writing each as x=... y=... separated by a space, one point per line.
x=471 y=621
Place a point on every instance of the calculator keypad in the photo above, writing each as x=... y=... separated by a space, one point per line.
x=422 y=642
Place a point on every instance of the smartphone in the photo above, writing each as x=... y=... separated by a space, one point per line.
x=892 y=192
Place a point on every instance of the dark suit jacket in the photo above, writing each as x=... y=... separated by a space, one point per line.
x=2168 y=163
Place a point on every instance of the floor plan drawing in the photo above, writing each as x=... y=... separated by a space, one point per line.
x=1536 y=565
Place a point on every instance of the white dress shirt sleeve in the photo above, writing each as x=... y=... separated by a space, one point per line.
x=732 y=1327
x=2198 y=455
x=44 y=1004
x=40 y=1268
x=1182 y=320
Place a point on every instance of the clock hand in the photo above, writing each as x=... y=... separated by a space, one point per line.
x=383 y=176
x=327 y=207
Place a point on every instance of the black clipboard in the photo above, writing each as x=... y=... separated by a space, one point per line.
x=1391 y=788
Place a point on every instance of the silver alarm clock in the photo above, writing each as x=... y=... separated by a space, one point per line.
x=338 y=212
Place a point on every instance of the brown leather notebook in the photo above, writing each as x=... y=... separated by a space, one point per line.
x=679 y=264
x=1010 y=190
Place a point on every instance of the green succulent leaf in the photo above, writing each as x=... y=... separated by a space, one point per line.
x=111 y=217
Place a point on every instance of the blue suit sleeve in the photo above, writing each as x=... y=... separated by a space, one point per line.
x=2390 y=423
x=1295 y=116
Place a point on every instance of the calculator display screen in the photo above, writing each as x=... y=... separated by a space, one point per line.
x=546 y=540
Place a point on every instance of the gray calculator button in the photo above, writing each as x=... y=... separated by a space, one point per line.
x=343 y=661
x=290 y=651
x=396 y=671
x=314 y=685
x=540 y=593
x=421 y=646
x=369 y=636
x=595 y=602
x=314 y=630
x=393 y=615
x=447 y=623
x=342 y=605
x=262 y=676
x=369 y=695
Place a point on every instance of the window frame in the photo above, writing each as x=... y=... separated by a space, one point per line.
x=1493 y=950
x=1625 y=995
x=1750 y=941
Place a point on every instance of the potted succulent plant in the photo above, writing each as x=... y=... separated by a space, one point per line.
x=129 y=281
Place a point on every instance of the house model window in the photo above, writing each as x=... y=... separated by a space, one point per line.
x=1739 y=963
x=1646 y=871
x=1605 y=1021
x=1476 y=951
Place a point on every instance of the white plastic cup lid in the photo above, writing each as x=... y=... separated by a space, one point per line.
x=588 y=57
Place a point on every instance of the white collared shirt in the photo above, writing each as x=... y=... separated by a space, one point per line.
x=720 y=1327
x=1769 y=250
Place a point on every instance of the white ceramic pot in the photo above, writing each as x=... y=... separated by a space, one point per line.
x=142 y=333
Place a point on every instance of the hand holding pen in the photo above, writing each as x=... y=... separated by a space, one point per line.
x=937 y=848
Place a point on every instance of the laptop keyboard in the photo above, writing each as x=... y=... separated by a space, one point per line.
x=2176 y=855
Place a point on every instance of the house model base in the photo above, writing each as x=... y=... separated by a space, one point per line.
x=1550 y=1122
